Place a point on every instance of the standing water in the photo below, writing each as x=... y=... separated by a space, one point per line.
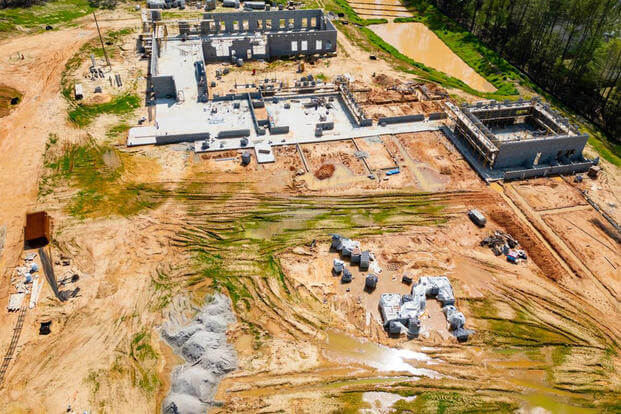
x=341 y=347
x=416 y=41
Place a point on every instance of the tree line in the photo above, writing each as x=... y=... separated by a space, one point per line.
x=570 y=47
x=5 y=4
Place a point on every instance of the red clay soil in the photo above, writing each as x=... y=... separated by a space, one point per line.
x=548 y=264
x=325 y=171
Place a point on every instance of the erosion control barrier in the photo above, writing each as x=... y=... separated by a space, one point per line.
x=401 y=119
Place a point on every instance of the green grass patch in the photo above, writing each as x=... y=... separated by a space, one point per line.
x=117 y=130
x=38 y=16
x=407 y=19
x=369 y=22
x=97 y=172
x=145 y=359
x=452 y=402
x=520 y=331
x=83 y=114
x=351 y=403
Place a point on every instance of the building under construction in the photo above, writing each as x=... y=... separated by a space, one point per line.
x=517 y=140
x=233 y=37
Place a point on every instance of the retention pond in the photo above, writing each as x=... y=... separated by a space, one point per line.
x=418 y=42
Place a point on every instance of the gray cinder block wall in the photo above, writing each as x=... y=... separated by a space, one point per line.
x=284 y=33
x=163 y=85
x=548 y=150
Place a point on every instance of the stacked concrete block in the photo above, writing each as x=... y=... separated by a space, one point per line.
x=404 y=311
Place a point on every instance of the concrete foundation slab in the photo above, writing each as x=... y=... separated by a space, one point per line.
x=264 y=153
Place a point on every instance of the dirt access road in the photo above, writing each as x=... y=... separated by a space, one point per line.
x=24 y=132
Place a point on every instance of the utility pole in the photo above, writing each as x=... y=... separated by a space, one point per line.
x=103 y=47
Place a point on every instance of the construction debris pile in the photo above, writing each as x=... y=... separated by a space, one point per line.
x=365 y=260
x=504 y=243
x=26 y=280
x=201 y=341
x=401 y=313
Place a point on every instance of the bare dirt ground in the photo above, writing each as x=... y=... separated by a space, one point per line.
x=340 y=153
x=546 y=330
x=543 y=194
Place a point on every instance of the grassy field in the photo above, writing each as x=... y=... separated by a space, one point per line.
x=82 y=115
x=37 y=17
x=100 y=175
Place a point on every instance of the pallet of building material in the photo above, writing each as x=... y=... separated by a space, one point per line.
x=15 y=302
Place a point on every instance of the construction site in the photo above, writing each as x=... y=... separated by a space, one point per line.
x=285 y=220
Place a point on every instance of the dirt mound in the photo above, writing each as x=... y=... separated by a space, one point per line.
x=325 y=171
x=98 y=99
x=385 y=81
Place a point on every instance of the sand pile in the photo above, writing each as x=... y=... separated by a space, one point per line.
x=325 y=171
x=201 y=341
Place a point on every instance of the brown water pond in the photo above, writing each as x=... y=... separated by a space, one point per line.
x=416 y=41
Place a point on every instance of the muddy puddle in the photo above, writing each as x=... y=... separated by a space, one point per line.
x=342 y=176
x=294 y=220
x=344 y=348
x=381 y=402
x=416 y=41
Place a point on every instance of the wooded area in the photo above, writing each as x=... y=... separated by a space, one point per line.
x=570 y=47
x=18 y=3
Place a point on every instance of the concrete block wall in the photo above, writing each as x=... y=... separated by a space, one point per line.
x=268 y=21
x=234 y=133
x=400 y=119
x=547 y=150
x=287 y=33
x=301 y=43
x=573 y=168
x=164 y=86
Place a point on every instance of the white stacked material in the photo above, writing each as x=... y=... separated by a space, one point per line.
x=15 y=301
x=436 y=286
x=390 y=304
x=394 y=306
x=36 y=291
x=401 y=311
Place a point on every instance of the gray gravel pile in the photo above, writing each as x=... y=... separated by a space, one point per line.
x=201 y=341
